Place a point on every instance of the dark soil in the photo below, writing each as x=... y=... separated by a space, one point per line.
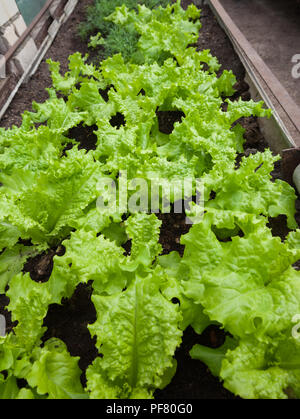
x=40 y=267
x=193 y=379
x=69 y=320
x=172 y=228
x=166 y=120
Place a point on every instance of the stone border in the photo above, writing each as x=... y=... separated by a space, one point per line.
x=12 y=28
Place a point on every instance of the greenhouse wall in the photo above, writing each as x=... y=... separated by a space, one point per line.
x=12 y=27
x=30 y=8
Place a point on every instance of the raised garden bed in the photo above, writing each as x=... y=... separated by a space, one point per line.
x=69 y=320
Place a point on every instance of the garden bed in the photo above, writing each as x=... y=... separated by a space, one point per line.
x=69 y=321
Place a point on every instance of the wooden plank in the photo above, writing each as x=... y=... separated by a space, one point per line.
x=255 y=66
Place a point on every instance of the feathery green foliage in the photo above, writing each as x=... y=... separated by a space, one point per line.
x=116 y=39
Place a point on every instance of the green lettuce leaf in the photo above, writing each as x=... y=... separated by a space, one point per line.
x=55 y=373
x=248 y=283
x=88 y=258
x=249 y=189
x=79 y=70
x=259 y=371
x=28 y=304
x=213 y=357
x=12 y=262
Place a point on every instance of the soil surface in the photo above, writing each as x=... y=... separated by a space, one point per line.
x=69 y=320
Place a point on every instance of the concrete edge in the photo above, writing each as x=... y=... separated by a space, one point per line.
x=283 y=129
x=32 y=68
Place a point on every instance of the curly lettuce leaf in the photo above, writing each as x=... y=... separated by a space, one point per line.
x=263 y=371
x=33 y=149
x=173 y=290
x=45 y=206
x=249 y=189
x=9 y=389
x=59 y=116
x=163 y=32
x=144 y=231
x=9 y=234
x=247 y=284
x=88 y=258
x=55 y=372
x=213 y=357
x=79 y=70
x=12 y=262
x=95 y=257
